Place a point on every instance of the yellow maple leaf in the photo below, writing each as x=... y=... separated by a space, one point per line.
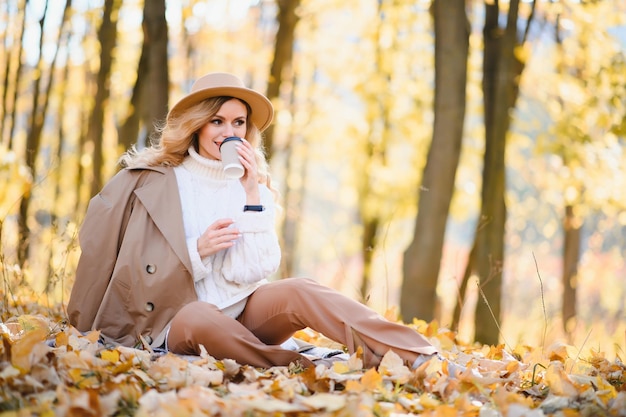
x=122 y=367
x=75 y=374
x=605 y=391
x=341 y=367
x=446 y=410
x=432 y=329
x=495 y=352
x=503 y=399
x=427 y=400
x=558 y=352
x=61 y=339
x=446 y=340
x=371 y=380
x=512 y=366
x=93 y=336
x=559 y=382
x=354 y=386
x=112 y=355
x=29 y=347
x=83 y=378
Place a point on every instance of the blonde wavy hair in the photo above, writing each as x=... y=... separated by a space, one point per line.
x=178 y=134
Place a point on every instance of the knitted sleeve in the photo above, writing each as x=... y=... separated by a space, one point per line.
x=256 y=254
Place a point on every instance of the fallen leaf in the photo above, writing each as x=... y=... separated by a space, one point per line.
x=327 y=402
x=559 y=382
x=372 y=380
x=112 y=355
x=393 y=366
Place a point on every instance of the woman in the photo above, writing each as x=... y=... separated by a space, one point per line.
x=176 y=255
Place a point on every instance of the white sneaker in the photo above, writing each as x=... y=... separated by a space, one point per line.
x=454 y=369
x=325 y=356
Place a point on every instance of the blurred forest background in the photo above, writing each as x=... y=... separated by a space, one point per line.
x=455 y=160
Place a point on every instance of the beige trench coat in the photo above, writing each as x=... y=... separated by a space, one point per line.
x=133 y=274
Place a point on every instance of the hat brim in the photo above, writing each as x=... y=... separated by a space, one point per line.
x=262 y=111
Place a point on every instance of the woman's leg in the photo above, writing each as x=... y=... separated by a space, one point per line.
x=278 y=309
x=200 y=323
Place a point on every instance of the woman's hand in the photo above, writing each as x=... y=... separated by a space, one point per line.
x=217 y=237
x=250 y=179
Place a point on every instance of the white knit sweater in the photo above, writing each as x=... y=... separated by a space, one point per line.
x=228 y=277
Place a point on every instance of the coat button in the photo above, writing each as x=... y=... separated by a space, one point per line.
x=150 y=268
x=149 y=306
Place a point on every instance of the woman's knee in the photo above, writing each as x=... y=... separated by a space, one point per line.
x=196 y=314
x=189 y=325
x=296 y=286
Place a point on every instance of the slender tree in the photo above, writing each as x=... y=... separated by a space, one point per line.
x=502 y=69
x=33 y=142
x=422 y=257
x=591 y=63
x=12 y=76
x=149 y=101
x=293 y=195
x=283 y=55
x=107 y=39
x=572 y=229
x=62 y=44
x=374 y=151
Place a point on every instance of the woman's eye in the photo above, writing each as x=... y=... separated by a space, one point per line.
x=240 y=122
x=216 y=121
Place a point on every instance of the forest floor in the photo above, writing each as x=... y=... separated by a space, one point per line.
x=47 y=368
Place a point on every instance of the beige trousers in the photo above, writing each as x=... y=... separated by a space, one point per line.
x=275 y=311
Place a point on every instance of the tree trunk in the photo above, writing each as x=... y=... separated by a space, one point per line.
x=423 y=256
x=128 y=132
x=62 y=42
x=572 y=226
x=58 y=192
x=157 y=95
x=283 y=54
x=33 y=142
x=149 y=101
x=293 y=200
x=13 y=59
x=37 y=120
x=292 y=196
x=374 y=155
x=370 y=231
x=107 y=38
x=501 y=73
x=83 y=189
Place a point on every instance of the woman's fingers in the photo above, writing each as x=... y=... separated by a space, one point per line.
x=217 y=237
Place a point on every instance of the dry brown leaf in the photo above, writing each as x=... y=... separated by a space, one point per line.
x=25 y=341
x=559 y=382
x=78 y=377
x=392 y=366
x=272 y=405
x=313 y=382
x=325 y=402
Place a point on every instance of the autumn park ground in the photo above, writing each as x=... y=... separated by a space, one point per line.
x=47 y=368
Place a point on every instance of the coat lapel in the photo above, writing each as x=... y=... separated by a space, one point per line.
x=162 y=201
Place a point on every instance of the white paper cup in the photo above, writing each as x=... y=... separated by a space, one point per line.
x=230 y=157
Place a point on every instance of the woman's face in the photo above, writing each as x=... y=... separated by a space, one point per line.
x=230 y=120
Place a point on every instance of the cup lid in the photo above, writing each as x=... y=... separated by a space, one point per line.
x=230 y=139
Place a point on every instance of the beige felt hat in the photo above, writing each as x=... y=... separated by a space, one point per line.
x=217 y=84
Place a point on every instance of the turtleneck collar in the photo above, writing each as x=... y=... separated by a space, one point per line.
x=199 y=165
